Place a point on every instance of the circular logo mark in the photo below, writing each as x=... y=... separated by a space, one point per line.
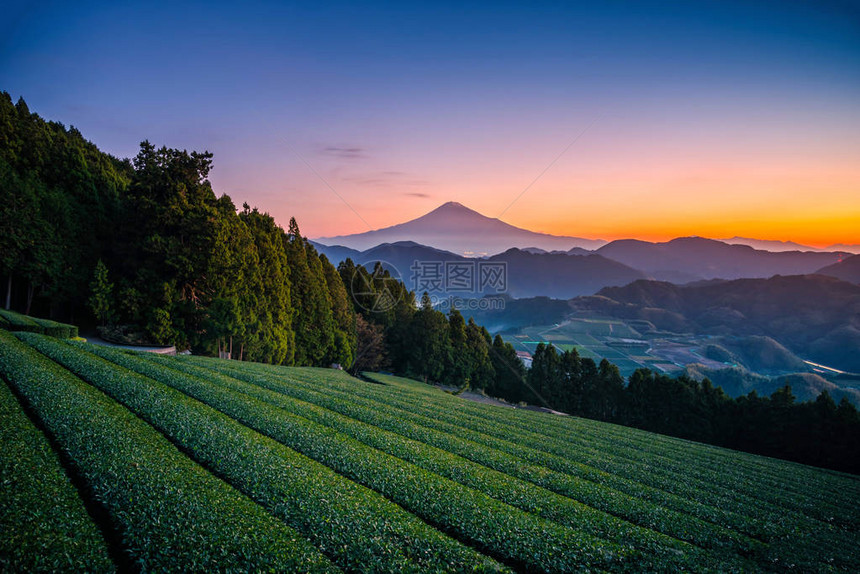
x=376 y=289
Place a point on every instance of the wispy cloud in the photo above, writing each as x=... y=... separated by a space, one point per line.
x=418 y=195
x=386 y=179
x=345 y=152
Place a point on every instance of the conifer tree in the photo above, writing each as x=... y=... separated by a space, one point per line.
x=458 y=364
x=429 y=342
x=267 y=288
x=342 y=350
x=510 y=373
x=101 y=289
x=481 y=371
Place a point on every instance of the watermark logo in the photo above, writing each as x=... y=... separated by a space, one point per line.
x=378 y=290
x=460 y=277
x=447 y=303
x=493 y=275
x=461 y=285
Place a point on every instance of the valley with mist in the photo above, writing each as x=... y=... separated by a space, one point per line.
x=746 y=318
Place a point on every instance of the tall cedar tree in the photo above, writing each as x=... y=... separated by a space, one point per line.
x=173 y=211
x=313 y=323
x=478 y=345
x=61 y=199
x=100 y=300
x=430 y=343
x=342 y=349
x=510 y=373
x=458 y=359
x=270 y=331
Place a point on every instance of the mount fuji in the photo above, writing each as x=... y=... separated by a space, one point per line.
x=456 y=228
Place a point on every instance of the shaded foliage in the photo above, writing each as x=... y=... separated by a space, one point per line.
x=61 y=201
x=818 y=432
x=185 y=267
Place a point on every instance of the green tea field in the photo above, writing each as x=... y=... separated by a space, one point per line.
x=620 y=343
x=119 y=461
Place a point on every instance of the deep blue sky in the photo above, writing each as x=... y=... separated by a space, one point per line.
x=400 y=108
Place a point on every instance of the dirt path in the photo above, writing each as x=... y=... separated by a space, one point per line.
x=479 y=398
x=96 y=340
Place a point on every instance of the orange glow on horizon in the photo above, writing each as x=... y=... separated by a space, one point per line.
x=611 y=188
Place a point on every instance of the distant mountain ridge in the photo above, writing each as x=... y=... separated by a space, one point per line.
x=461 y=231
x=852 y=248
x=527 y=274
x=777 y=246
x=815 y=316
x=848 y=269
x=564 y=274
x=688 y=259
x=769 y=244
x=553 y=266
x=456 y=228
x=736 y=381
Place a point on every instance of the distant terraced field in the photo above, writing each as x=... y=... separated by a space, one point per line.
x=117 y=460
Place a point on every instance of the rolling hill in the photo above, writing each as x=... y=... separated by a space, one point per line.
x=814 y=316
x=755 y=352
x=528 y=273
x=561 y=276
x=736 y=381
x=848 y=269
x=688 y=259
x=195 y=463
x=770 y=244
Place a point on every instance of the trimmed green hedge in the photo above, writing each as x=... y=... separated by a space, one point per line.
x=55 y=329
x=605 y=450
x=18 y=322
x=822 y=543
x=778 y=486
x=632 y=504
x=12 y=321
x=725 y=489
x=518 y=537
x=540 y=492
x=653 y=551
x=170 y=513
x=43 y=521
x=768 y=510
x=357 y=527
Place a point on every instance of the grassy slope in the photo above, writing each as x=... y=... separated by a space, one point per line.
x=44 y=522
x=165 y=511
x=605 y=497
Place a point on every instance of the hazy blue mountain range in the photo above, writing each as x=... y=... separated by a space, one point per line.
x=687 y=259
x=848 y=248
x=527 y=274
x=736 y=381
x=562 y=276
x=458 y=231
x=848 y=269
x=814 y=316
x=769 y=244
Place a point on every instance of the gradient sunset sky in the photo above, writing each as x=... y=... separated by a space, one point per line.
x=599 y=119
